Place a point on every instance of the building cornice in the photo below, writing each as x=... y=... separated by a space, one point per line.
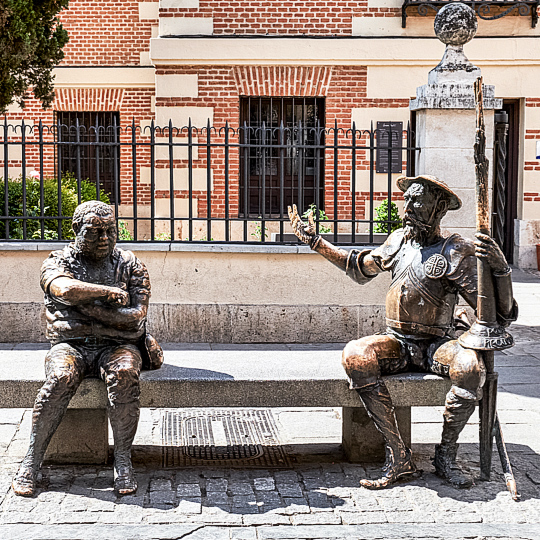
x=331 y=51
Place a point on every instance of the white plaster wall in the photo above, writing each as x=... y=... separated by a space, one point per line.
x=216 y=278
x=185 y=26
x=162 y=178
x=180 y=116
x=177 y=86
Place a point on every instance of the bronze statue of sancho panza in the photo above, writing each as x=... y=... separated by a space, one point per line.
x=429 y=271
x=96 y=298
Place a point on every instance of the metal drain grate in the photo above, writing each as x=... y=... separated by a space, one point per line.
x=239 y=437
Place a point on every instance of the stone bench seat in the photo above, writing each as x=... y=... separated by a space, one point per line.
x=211 y=375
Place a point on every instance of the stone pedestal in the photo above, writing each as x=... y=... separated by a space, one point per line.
x=446 y=117
x=82 y=437
x=362 y=442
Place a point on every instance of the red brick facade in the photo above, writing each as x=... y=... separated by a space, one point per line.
x=321 y=17
x=105 y=33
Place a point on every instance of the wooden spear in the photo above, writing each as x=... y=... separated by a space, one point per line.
x=486 y=335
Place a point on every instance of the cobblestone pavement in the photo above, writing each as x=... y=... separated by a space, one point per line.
x=317 y=498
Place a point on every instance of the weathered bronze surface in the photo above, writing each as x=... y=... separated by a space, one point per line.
x=96 y=298
x=429 y=271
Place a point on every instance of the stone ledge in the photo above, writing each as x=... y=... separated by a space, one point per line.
x=173 y=246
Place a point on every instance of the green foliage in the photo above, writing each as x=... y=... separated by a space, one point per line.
x=31 y=43
x=381 y=214
x=258 y=231
x=50 y=206
x=123 y=231
x=322 y=217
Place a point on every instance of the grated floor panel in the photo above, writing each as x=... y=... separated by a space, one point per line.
x=224 y=438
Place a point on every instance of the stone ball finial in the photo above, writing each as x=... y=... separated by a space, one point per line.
x=455 y=24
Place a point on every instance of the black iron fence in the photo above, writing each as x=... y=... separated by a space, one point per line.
x=205 y=184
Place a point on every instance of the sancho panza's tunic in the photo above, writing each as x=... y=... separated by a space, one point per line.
x=64 y=322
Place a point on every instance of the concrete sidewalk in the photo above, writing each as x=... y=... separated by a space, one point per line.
x=317 y=496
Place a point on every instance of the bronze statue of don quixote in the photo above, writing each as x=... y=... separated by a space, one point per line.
x=429 y=272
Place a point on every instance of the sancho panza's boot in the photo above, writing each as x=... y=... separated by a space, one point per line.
x=457 y=413
x=399 y=463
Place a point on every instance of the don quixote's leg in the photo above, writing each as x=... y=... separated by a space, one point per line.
x=364 y=361
x=467 y=373
x=120 y=369
x=64 y=370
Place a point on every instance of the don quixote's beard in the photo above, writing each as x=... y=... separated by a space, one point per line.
x=417 y=230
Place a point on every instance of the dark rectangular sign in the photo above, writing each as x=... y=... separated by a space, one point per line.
x=382 y=155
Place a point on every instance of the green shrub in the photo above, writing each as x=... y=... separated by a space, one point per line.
x=50 y=207
x=322 y=217
x=381 y=215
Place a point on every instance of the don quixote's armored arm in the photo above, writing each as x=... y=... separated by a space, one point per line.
x=307 y=233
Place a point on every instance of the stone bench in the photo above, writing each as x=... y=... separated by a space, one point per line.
x=204 y=375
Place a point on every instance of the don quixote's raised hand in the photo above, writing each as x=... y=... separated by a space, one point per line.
x=306 y=232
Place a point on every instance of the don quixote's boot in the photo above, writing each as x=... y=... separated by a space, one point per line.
x=457 y=412
x=399 y=464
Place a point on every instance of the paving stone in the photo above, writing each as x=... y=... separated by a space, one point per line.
x=314 y=483
x=289 y=490
x=319 y=502
x=188 y=490
x=457 y=517
x=121 y=516
x=239 y=475
x=294 y=506
x=217 y=485
x=160 y=484
x=264 y=484
x=240 y=488
x=326 y=518
x=266 y=518
x=286 y=477
x=74 y=503
x=187 y=477
x=163 y=518
x=75 y=517
x=241 y=533
x=215 y=499
x=23 y=517
x=189 y=506
x=162 y=499
x=361 y=518
x=415 y=516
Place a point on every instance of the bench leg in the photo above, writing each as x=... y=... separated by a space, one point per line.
x=362 y=442
x=82 y=437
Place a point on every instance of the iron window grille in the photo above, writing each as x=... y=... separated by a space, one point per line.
x=88 y=148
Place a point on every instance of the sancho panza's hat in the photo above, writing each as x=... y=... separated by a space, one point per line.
x=404 y=182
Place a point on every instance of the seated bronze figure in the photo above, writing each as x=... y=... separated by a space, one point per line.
x=429 y=271
x=96 y=298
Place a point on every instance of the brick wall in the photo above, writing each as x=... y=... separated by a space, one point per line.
x=321 y=17
x=107 y=32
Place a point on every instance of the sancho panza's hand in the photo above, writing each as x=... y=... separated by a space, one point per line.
x=117 y=297
x=306 y=232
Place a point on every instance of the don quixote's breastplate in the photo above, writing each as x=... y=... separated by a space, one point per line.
x=421 y=299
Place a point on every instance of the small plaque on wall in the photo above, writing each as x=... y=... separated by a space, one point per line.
x=383 y=137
